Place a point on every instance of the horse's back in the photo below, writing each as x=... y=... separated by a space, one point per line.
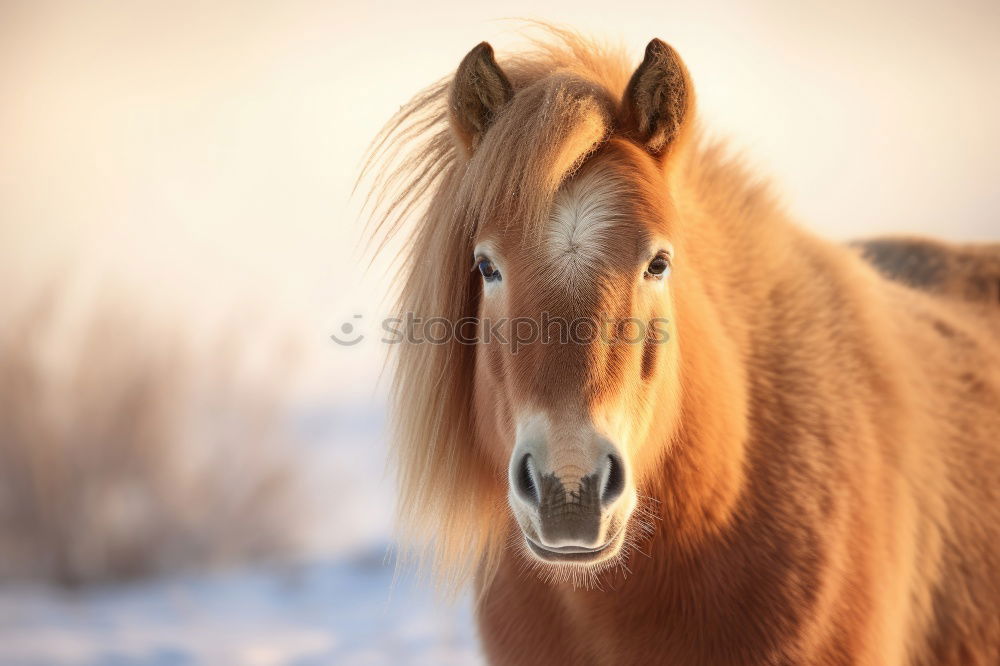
x=968 y=272
x=947 y=326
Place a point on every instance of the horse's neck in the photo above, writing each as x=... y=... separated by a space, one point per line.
x=737 y=241
x=742 y=271
x=722 y=277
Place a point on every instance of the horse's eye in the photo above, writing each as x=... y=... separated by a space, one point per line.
x=487 y=269
x=658 y=267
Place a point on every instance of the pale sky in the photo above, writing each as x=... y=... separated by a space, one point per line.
x=204 y=152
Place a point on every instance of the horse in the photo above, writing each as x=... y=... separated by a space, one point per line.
x=777 y=450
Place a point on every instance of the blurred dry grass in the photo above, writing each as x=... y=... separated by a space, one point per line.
x=126 y=449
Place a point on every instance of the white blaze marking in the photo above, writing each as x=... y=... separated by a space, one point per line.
x=581 y=224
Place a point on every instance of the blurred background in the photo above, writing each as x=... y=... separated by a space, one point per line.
x=191 y=471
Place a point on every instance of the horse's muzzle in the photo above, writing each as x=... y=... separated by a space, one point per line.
x=567 y=517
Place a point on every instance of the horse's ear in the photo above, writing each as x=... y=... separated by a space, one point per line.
x=658 y=100
x=479 y=90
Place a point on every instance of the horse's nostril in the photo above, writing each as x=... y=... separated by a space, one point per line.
x=614 y=485
x=525 y=478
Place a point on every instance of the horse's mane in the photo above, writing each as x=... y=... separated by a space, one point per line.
x=574 y=81
x=568 y=88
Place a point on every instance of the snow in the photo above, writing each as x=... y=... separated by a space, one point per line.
x=344 y=611
x=337 y=603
